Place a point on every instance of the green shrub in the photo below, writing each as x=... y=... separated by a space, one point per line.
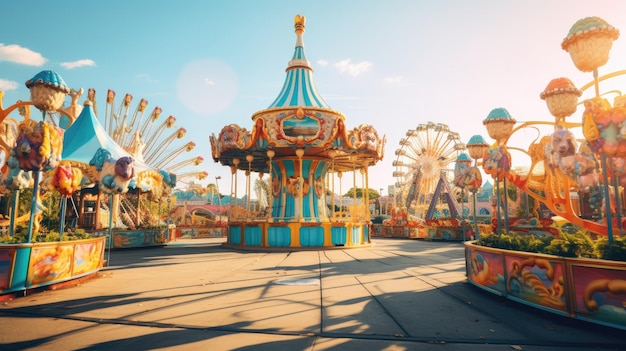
x=578 y=244
x=52 y=236
x=518 y=241
x=571 y=245
x=613 y=252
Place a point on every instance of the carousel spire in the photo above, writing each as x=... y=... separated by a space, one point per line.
x=299 y=87
x=299 y=24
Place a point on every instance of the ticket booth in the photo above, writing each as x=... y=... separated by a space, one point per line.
x=89 y=208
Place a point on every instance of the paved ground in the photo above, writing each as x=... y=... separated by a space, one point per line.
x=197 y=295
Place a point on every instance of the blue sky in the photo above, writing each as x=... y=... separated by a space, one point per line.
x=393 y=64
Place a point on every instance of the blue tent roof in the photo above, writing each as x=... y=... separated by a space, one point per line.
x=86 y=135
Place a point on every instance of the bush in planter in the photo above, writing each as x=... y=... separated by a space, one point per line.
x=578 y=244
x=20 y=236
x=516 y=241
x=613 y=252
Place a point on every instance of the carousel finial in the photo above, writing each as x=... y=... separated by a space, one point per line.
x=299 y=23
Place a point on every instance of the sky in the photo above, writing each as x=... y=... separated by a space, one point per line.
x=391 y=64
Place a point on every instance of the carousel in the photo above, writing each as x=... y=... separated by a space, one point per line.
x=304 y=147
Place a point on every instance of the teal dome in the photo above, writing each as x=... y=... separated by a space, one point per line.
x=499 y=114
x=463 y=157
x=476 y=140
x=50 y=79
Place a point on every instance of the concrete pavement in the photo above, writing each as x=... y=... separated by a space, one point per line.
x=197 y=295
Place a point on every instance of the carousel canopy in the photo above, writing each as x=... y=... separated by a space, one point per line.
x=86 y=136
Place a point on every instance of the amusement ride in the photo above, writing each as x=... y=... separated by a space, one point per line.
x=110 y=158
x=303 y=146
x=423 y=170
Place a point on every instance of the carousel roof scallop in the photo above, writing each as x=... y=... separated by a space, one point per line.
x=299 y=87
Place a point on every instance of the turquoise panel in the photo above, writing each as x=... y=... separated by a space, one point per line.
x=20 y=269
x=366 y=233
x=356 y=235
x=252 y=236
x=338 y=235
x=234 y=235
x=311 y=236
x=278 y=236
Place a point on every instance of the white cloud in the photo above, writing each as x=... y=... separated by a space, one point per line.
x=20 y=55
x=78 y=63
x=8 y=85
x=393 y=79
x=353 y=69
x=322 y=62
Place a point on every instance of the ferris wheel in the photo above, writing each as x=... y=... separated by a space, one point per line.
x=425 y=161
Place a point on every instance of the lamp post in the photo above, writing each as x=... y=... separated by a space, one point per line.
x=499 y=124
x=249 y=158
x=168 y=218
x=233 y=197
x=476 y=147
x=219 y=202
x=380 y=202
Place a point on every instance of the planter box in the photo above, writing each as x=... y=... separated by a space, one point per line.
x=28 y=266
x=587 y=289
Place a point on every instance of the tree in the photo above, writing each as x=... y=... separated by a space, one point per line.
x=213 y=191
x=372 y=195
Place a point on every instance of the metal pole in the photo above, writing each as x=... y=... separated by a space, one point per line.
x=498 y=206
x=506 y=207
x=33 y=205
x=168 y=219
x=110 y=234
x=477 y=233
x=607 y=200
x=62 y=218
x=618 y=205
x=14 y=207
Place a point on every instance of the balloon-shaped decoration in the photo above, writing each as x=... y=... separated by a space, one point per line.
x=15 y=178
x=605 y=127
x=497 y=161
x=589 y=41
x=618 y=170
x=66 y=179
x=114 y=175
x=39 y=147
x=463 y=163
x=47 y=90
x=476 y=146
x=561 y=96
x=473 y=179
x=499 y=124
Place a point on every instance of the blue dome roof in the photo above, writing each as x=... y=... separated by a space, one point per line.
x=463 y=157
x=299 y=87
x=499 y=114
x=476 y=140
x=49 y=78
